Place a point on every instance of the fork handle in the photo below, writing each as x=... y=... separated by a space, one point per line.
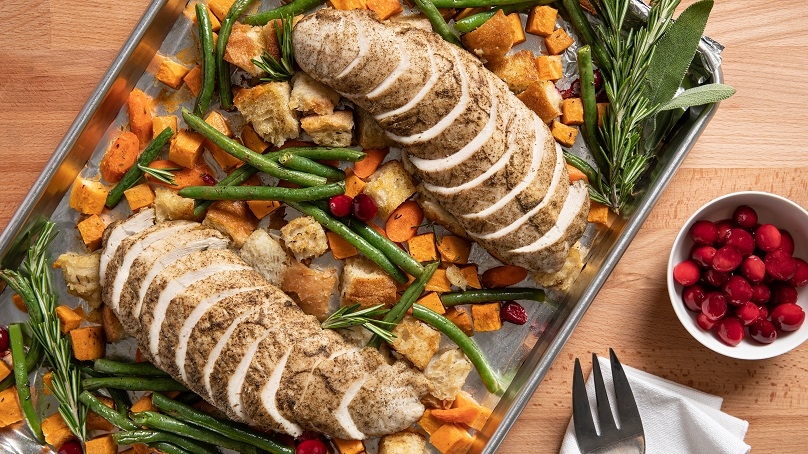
x=633 y=445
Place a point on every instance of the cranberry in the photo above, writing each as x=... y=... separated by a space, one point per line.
x=767 y=237
x=753 y=269
x=573 y=91
x=715 y=278
x=763 y=312
x=762 y=331
x=723 y=227
x=780 y=265
x=783 y=294
x=703 y=256
x=741 y=240
x=314 y=446
x=704 y=232
x=737 y=290
x=364 y=207
x=71 y=447
x=4 y=339
x=714 y=306
x=747 y=313
x=786 y=242
x=745 y=217
x=761 y=293
x=686 y=273
x=704 y=322
x=308 y=435
x=730 y=331
x=513 y=312
x=788 y=317
x=340 y=205
x=598 y=79
x=693 y=296
x=208 y=179
x=800 y=277
x=727 y=259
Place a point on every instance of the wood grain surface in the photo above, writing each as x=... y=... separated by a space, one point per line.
x=52 y=55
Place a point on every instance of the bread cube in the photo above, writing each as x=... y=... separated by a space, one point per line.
x=516 y=28
x=416 y=341
x=170 y=206
x=365 y=283
x=385 y=8
x=310 y=288
x=549 y=67
x=340 y=248
x=541 y=20
x=486 y=317
x=492 y=40
x=518 y=70
x=332 y=130
x=602 y=106
x=266 y=255
x=454 y=249
x=422 y=247
x=68 y=318
x=572 y=112
x=558 y=41
x=369 y=134
x=543 y=98
x=171 y=73
x=232 y=218
x=389 y=187
x=266 y=106
x=305 y=238
x=80 y=273
x=312 y=97
x=252 y=140
x=140 y=107
x=245 y=44
x=88 y=343
x=91 y=231
x=87 y=196
x=563 y=134
x=163 y=122
x=402 y=443
x=220 y=8
x=139 y=196
x=193 y=80
x=447 y=372
x=562 y=280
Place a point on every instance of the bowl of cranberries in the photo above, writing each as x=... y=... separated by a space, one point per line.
x=737 y=275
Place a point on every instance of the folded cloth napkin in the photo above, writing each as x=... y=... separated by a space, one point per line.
x=675 y=418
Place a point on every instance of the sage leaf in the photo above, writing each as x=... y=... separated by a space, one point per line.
x=705 y=94
x=674 y=52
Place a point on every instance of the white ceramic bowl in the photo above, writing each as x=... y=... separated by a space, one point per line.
x=771 y=209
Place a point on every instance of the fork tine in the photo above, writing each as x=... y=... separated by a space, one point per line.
x=627 y=409
x=605 y=417
x=581 y=414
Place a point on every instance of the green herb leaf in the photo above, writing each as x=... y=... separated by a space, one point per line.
x=348 y=316
x=704 y=94
x=283 y=70
x=675 y=51
x=163 y=175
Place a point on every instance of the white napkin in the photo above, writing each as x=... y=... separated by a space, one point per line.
x=675 y=418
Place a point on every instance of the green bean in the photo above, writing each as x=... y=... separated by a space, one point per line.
x=290 y=9
x=397 y=255
x=474 y=21
x=487 y=295
x=236 y=177
x=587 y=33
x=134 y=173
x=93 y=403
x=21 y=377
x=229 y=429
x=107 y=366
x=252 y=158
x=473 y=3
x=304 y=164
x=263 y=192
x=208 y=60
x=168 y=448
x=223 y=67
x=590 y=104
x=133 y=384
x=322 y=153
x=131 y=437
x=166 y=423
x=32 y=359
x=396 y=314
x=467 y=345
x=582 y=165
x=121 y=400
x=439 y=24
x=351 y=237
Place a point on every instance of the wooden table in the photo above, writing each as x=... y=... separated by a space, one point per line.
x=52 y=55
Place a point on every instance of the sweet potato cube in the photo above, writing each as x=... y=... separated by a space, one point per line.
x=68 y=319
x=10 y=410
x=171 y=73
x=347 y=4
x=598 y=213
x=541 y=20
x=95 y=421
x=558 y=41
x=463 y=399
x=349 y=446
x=466 y=12
x=232 y=218
x=549 y=67
x=101 y=445
x=88 y=343
x=262 y=208
x=163 y=122
x=5 y=371
x=543 y=98
x=479 y=421
x=55 y=430
x=91 y=231
x=563 y=134
x=486 y=317
x=186 y=148
x=140 y=107
x=353 y=184
x=215 y=24
x=471 y=275
x=120 y=157
x=460 y=317
x=385 y=8
x=220 y=8
x=193 y=80
x=252 y=140
x=516 y=28
x=451 y=439
x=340 y=248
x=454 y=249
x=457 y=415
x=572 y=112
x=113 y=329
x=429 y=423
x=492 y=40
x=225 y=160
x=88 y=197
x=19 y=303
x=139 y=196
x=602 y=106
x=422 y=247
x=439 y=282
x=518 y=70
x=144 y=404
x=432 y=301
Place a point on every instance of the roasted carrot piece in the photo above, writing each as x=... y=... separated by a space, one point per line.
x=576 y=174
x=464 y=415
x=370 y=163
x=183 y=177
x=503 y=276
x=120 y=157
x=404 y=221
x=140 y=107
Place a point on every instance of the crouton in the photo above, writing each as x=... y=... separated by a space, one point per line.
x=486 y=317
x=385 y=8
x=91 y=231
x=120 y=157
x=516 y=28
x=365 y=283
x=461 y=318
x=562 y=279
x=113 y=330
x=311 y=288
x=563 y=134
x=332 y=130
x=422 y=247
x=163 y=122
x=416 y=341
x=543 y=98
x=369 y=134
x=68 y=319
x=266 y=255
x=549 y=67
x=340 y=248
x=80 y=273
x=492 y=40
x=171 y=73
x=88 y=343
x=305 y=238
x=517 y=70
x=87 y=196
x=312 y=97
x=139 y=196
x=402 y=443
x=193 y=80
x=389 y=187
x=447 y=372
x=233 y=218
x=432 y=301
x=456 y=277
x=572 y=112
x=437 y=214
x=246 y=43
x=252 y=140
x=140 y=107
x=225 y=160
x=220 y=8
x=170 y=206
x=349 y=446
x=266 y=106
x=558 y=41
x=541 y=20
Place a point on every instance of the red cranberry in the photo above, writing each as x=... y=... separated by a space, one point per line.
x=763 y=312
x=783 y=294
x=745 y=217
x=308 y=435
x=762 y=331
x=704 y=322
x=786 y=242
x=693 y=296
x=727 y=259
x=723 y=227
x=340 y=205
x=364 y=207
x=767 y=237
x=714 y=306
x=513 y=312
x=703 y=256
x=71 y=447
x=686 y=273
x=761 y=293
x=741 y=240
x=730 y=331
x=780 y=265
x=573 y=91
x=208 y=179
x=704 y=232
x=4 y=339
x=788 y=317
x=313 y=446
x=715 y=278
x=800 y=277
x=753 y=269
x=737 y=290
x=747 y=313
x=598 y=79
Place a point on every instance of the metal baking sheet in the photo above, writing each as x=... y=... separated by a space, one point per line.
x=524 y=354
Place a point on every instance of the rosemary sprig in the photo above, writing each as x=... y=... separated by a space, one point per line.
x=283 y=70
x=33 y=284
x=163 y=175
x=348 y=316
